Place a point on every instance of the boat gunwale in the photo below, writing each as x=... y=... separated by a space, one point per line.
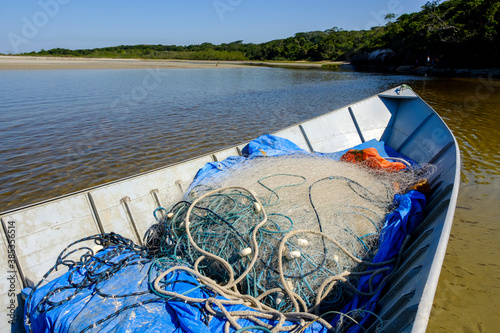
x=423 y=313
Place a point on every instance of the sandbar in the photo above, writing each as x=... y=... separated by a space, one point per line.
x=29 y=62
x=37 y=62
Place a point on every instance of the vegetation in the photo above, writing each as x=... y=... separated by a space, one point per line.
x=205 y=51
x=454 y=33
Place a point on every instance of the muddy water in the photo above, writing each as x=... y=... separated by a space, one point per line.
x=468 y=295
x=66 y=130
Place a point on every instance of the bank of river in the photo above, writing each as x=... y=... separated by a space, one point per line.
x=39 y=62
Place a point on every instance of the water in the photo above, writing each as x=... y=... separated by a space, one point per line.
x=468 y=295
x=66 y=130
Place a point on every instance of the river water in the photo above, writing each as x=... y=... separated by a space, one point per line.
x=66 y=130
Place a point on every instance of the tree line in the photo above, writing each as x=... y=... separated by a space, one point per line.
x=452 y=33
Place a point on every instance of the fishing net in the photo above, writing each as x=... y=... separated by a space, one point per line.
x=285 y=230
x=282 y=243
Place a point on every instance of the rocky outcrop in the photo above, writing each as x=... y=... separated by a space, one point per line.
x=374 y=58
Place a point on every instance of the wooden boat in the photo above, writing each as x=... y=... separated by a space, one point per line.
x=398 y=117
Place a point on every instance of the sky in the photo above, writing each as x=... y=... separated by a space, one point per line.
x=32 y=25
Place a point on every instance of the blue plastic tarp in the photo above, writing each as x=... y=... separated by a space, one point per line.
x=264 y=146
x=398 y=224
x=114 y=306
x=136 y=313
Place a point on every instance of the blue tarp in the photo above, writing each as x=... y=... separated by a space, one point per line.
x=397 y=226
x=144 y=311
x=104 y=304
x=264 y=146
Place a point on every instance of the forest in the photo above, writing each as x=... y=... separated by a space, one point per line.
x=453 y=33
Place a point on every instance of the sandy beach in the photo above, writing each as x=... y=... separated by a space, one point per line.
x=27 y=62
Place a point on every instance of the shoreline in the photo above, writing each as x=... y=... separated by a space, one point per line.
x=35 y=62
x=13 y=62
x=29 y=62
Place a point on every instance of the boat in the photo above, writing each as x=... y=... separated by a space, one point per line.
x=33 y=236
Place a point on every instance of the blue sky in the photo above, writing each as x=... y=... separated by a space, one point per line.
x=32 y=25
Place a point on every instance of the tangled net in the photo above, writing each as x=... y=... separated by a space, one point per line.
x=287 y=236
x=283 y=230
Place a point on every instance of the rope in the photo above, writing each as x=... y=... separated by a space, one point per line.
x=227 y=289
x=204 y=208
